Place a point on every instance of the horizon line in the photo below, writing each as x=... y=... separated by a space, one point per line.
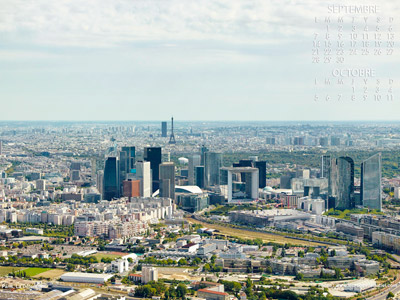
x=168 y=121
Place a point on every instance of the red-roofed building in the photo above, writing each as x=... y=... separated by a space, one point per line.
x=135 y=277
x=212 y=295
x=215 y=286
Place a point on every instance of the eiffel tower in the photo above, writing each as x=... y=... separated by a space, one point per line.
x=172 y=137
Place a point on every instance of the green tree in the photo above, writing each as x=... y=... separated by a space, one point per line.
x=207 y=268
x=181 y=291
x=182 y=262
x=338 y=273
x=70 y=267
x=299 y=276
x=196 y=261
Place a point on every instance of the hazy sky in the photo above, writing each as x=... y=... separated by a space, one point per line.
x=194 y=59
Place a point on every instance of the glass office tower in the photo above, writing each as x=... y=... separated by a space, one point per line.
x=262 y=173
x=111 y=179
x=200 y=176
x=341 y=183
x=164 y=129
x=194 y=161
x=212 y=164
x=167 y=180
x=153 y=155
x=325 y=166
x=130 y=157
x=371 y=196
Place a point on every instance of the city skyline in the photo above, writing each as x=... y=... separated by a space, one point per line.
x=199 y=150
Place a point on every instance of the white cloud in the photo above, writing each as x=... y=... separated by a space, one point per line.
x=110 y=22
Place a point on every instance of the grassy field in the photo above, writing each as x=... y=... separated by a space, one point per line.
x=51 y=274
x=4 y=271
x=35 y=271
x=248 y=234
x=99 y=256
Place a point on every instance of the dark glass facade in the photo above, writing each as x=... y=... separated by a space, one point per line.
x=111 y=178
x=199 y=176
x=153 y=155
x=262 y=173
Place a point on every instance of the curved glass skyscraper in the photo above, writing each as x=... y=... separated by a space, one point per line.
x=341 y=182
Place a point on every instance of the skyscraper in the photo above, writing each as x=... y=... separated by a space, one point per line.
x=203 y=151
x=341 y=183
x=371 y=182
x=298 y=141
x=335 y=141
x=199 y=175
x=167 y=180
x=164 y=129
x=262 y=173
x=100 y=182
x=325 y=166
x=153 y=155
x=111 y=186
x=123 y=167
x=93 y=168
x=130 y=157
x=212 y=164
x=194 y=161
x=323 y=141
x=143 y=173
x=270 y=141
x=127 y=157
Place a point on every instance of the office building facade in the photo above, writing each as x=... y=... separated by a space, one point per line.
x=131 y=188
x=325 y=166
x=341 y=183
x=199 y=172
x=371 y=169
x=143 y=173
x=111 y=185
x=164 y=129
x=212 y=164
x=167 y=180
x=194 y=161
x=153 y=155
x=262 y=173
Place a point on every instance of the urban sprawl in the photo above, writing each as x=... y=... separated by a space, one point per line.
x=199 y=210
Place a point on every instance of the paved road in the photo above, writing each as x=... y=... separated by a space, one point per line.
x=382 y=296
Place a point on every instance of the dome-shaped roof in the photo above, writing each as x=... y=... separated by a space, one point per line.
x=183 y=160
